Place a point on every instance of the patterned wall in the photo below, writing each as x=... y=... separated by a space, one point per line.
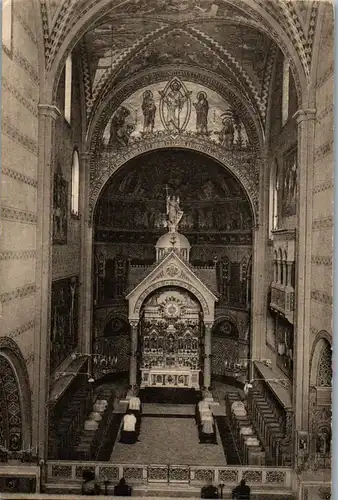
x=66 y=226
x=19 y=181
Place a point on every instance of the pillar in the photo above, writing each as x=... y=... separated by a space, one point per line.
x=47 y=117
x=133 y=358
x=289 y=274
x=86 y=270
x=260 y=261
x=306 y=128
x=207 y=362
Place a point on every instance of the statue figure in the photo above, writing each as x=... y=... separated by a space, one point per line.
x=149 y=111
x=174 y=213
x=202 y=109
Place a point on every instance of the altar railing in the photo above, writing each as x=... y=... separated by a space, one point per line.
x=70 y=473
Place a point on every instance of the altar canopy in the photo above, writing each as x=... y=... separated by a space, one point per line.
x=171 y=310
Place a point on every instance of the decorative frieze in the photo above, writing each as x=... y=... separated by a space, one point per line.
x=25 y=254
x=19 y=177
x=19 y=97
x=329 y=72
x=18 y=293
x=322 y=297
x=322 y=260
x=323 y=186
x=323 y=150
x=322 y=223
x=17 y=136
x=21 y=329
x=30 y=359
x=26 y=27
x=328 y=109
x=17 y=215
x=26 y=66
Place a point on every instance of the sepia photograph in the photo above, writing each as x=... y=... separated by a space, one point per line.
x=166 y=249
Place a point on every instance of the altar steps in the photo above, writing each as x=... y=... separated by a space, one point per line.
x=170 y=395
x=158 y=409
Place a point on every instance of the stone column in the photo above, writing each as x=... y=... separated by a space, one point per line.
x=306 y=127
x=289 y=274
x=261 y=265
x=207 y=395
x=133 y=358
x=44 y=241
x=86 y=290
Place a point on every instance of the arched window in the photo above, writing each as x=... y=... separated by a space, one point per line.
x=68 y=88
x=324 y=371
x=286 y=91
x=7 y=24
x=274 y=189
x=75 y=183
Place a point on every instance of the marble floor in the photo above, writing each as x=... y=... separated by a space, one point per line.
x=169 y=441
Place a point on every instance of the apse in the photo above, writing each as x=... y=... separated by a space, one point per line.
x=130 y=223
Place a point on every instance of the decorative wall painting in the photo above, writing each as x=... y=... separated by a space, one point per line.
x=60 y=208
x=64 y=320
x=176 y=107
x=289 y=186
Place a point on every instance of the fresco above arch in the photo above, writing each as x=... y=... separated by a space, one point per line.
x=176 y=106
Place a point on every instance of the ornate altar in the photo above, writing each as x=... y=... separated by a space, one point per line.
x=170 y=340
x=171 y=312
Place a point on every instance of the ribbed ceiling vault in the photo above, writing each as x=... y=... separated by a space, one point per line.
x=229 y=38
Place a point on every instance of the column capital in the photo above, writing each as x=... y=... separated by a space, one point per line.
x=49 y=110
x=208 y=325
x=85 y=155
x=304 y=115
x=133 y=323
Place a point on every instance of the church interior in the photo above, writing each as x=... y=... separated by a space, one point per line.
x=166 y=218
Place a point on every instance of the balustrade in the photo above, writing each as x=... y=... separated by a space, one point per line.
x=70 y=473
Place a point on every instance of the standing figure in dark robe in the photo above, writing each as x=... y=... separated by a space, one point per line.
x=226 y=135
x=202 y=109
x=149 y=111
x=118 y=123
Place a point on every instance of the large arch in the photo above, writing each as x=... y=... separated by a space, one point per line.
x=321 y=345
x=242 y=171
x=16 y=395
x=178 y=283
